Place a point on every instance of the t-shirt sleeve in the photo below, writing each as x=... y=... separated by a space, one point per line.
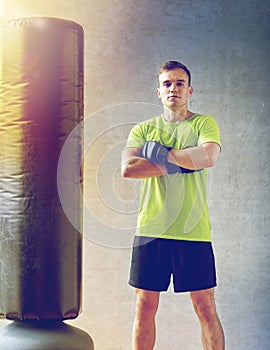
x=136 y=138
x=209 y=132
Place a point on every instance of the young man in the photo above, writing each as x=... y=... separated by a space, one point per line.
x=172 y=154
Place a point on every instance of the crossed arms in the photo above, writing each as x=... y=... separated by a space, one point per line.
x=194 y=158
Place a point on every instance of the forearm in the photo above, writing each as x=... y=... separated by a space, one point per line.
x=140 y=168
x=195 y=158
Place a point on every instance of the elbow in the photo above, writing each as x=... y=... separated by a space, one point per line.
x=212 y=161
x=211 y=164
x=129 y=168
x=126 y=171
x=212 y=152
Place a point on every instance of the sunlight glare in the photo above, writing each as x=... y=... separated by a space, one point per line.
x=11 y=9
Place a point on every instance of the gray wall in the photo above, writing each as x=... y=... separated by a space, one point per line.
x=226 y=46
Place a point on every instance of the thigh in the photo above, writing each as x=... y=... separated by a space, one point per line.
x=205 y=296
x=193 y=266
x=204 y=301
x=150 y=264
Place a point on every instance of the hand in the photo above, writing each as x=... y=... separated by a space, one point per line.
x=155 y=152
x=174 y=169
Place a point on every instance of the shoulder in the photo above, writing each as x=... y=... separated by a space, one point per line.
x=207 y=129
x=202 y=118
x=148 y=123
x=139 y=132
x=200 y=121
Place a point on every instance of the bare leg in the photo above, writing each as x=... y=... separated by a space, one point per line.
x=205 y=308
x=144 y=328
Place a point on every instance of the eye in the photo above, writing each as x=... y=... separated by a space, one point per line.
x=168 y=84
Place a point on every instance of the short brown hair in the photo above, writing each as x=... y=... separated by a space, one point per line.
x=170 y=65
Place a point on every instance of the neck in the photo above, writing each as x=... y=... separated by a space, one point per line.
x=176 y=116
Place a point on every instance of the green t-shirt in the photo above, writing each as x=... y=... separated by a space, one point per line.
x=175 y=206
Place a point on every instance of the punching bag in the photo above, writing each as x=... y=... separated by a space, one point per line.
x=41 y=89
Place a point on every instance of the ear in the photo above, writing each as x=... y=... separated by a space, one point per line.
x=158 y=92
x=190 y=90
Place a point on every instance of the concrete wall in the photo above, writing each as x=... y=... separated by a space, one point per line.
x=226 y=46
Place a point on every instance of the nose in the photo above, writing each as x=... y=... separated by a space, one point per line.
x=173 y=87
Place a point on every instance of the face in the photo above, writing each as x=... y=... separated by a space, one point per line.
x=174 y=90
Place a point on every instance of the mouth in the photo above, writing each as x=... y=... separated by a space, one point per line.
x=173 y=96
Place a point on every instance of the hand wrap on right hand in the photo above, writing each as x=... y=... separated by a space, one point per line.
x=157 y=153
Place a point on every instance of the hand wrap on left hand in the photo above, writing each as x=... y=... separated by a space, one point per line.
x=157 y=153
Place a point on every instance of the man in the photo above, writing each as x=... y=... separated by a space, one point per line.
x=171 y=153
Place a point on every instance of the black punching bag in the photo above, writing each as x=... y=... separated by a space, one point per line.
x=41 y=97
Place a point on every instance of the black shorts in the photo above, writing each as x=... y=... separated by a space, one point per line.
x=154 y=261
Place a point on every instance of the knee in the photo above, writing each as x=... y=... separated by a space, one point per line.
x=206 y=313
x=205 y=309
x=146 y=307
